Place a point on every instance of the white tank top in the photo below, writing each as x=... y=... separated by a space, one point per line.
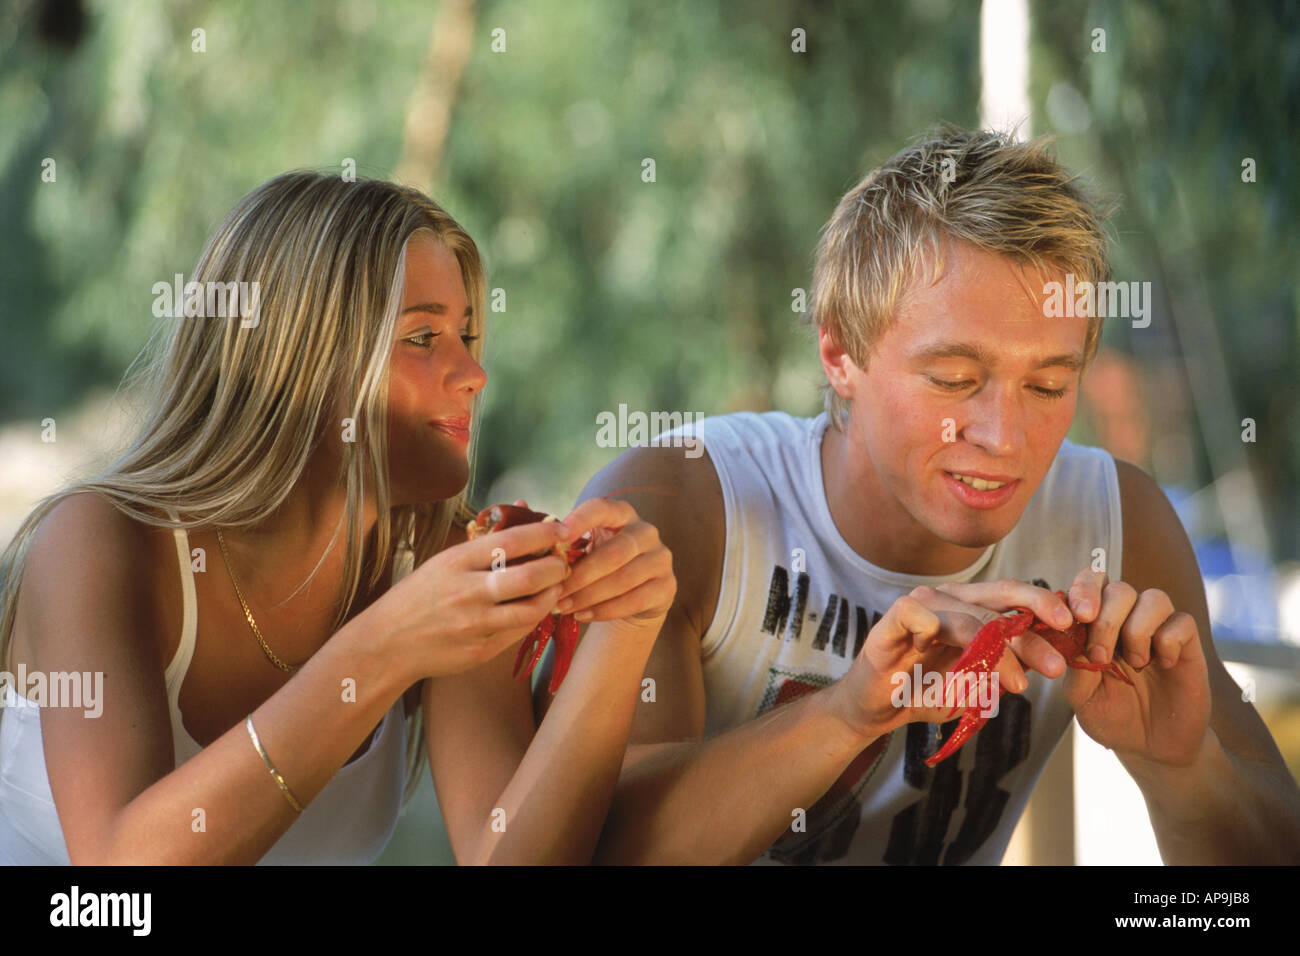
x=779 y=633
x=349 y=822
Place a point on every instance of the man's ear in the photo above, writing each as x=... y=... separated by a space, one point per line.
x=837 y=363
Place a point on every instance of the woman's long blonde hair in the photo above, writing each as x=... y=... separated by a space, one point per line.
x=235 y=407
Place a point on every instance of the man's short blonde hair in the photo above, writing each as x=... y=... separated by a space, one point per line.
x=980 y=187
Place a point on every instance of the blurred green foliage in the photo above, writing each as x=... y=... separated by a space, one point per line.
x=674 y=294
x=1164 y=118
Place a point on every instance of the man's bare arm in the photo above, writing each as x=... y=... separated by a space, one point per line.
x=681 y=798
x=727 y=798
x=1237 y=803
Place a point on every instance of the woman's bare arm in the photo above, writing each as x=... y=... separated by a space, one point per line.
x=86 y=606
x=512 y=794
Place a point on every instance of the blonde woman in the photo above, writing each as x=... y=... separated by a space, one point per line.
x=268 y=692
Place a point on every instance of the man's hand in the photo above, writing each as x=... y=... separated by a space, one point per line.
x=1163 y=719
x=932 y=627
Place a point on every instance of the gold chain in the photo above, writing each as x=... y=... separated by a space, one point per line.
x=270 y=654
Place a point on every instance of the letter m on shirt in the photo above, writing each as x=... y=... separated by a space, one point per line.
x=785 y=611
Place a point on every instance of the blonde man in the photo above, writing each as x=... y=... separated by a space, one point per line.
x=818 y=558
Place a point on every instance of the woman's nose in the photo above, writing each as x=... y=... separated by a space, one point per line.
x=470 y=375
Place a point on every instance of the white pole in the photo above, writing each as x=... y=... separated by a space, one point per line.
x=1004 y=66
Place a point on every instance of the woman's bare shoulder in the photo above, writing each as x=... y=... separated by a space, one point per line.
x=87 y=561
x=85 y=532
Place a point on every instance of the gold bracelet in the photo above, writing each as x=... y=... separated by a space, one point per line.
x=284 y=787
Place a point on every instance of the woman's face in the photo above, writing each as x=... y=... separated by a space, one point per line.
x=432 y=379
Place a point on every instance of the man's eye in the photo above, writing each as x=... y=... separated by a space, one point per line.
x=467 y=338
x=952 y=386
x=1037 y=389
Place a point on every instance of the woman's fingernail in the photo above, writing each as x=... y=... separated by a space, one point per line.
x=1135 y=659
x=584 y=616
x=1055 y=660
x=564 y=606
x=562 y=529
x=1085 y=607
x=1061 y=617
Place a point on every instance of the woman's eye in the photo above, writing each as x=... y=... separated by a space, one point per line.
x=426 y=340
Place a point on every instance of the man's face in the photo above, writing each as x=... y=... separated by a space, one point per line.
x=965 y=400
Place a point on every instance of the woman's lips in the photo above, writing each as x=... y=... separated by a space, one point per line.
x=456 y=428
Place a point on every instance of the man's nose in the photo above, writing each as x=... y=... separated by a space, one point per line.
x=997 y=424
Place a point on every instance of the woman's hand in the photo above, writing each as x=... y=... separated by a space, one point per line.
x=464 y=606
x=627 y=576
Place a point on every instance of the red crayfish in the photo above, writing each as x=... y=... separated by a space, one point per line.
x=984 y=652
x=563 y=627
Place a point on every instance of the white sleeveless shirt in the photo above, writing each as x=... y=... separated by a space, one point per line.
x=349 y=822
x=779 y=632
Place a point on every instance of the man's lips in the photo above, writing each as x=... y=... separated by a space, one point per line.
x=985 y=498
x=983 y=475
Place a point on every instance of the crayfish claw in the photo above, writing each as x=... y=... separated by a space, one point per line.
x=536 y=641
x=980 y=658
x=971 y=721
x=566 y=642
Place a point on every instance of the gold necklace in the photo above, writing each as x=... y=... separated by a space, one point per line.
x=270 y=654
